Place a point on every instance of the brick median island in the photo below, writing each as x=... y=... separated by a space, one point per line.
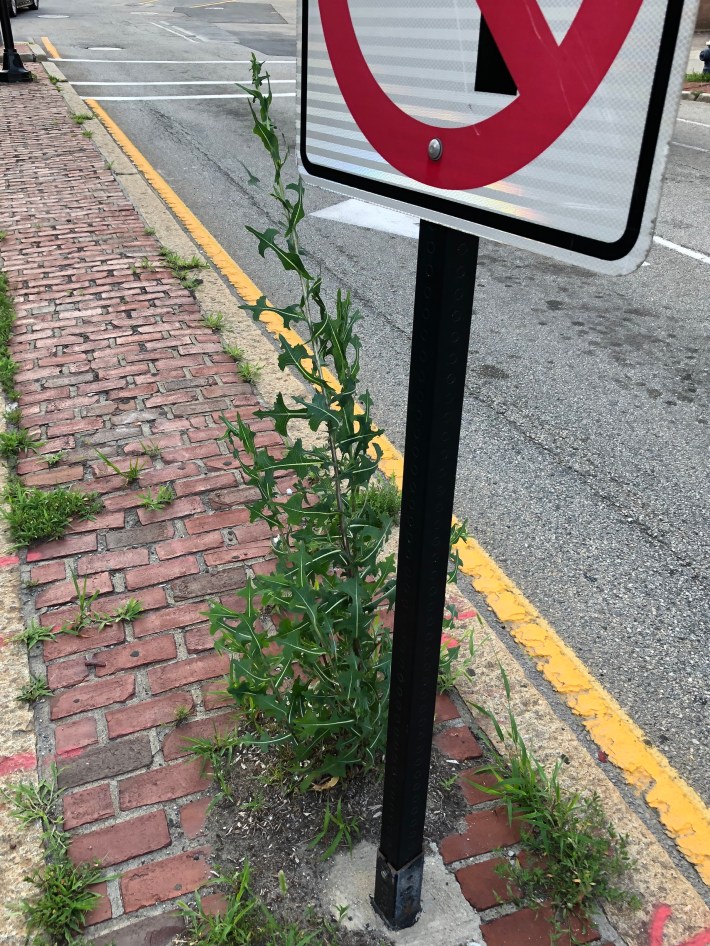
x=113 y=355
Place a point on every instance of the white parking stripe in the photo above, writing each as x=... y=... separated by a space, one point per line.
x=175 y=98
x=693 y=254
x=678 y=144
x=687 y=121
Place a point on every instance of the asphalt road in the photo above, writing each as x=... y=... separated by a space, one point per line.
x=584 y=453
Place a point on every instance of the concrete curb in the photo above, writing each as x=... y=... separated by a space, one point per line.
x=689 y=96
x=663 y=883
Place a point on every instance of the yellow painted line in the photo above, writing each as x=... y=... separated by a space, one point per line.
x=681 y=810
x=50 y=47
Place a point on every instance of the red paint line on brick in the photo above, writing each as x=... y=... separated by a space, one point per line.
x=6 y=560
x=17 y=763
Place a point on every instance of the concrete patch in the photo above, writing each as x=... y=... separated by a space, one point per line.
x=446 y=916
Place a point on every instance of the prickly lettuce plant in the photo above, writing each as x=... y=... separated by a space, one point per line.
x=310 y=655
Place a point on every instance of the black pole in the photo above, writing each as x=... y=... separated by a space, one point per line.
x=12 y=68
x=446 y=276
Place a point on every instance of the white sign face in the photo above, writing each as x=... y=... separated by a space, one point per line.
x=544 y=124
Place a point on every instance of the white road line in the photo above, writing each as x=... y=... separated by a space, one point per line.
x=678 y=144
x=693 y=254
x=687 y=121
x=175 y=98
x=192 y=82
x=162 y=26
x=183 y=62
x=360 y=213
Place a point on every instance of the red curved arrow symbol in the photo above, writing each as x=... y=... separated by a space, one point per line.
x=555 y=82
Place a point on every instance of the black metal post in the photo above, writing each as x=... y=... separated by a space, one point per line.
x=12 y=68
x=446 y=276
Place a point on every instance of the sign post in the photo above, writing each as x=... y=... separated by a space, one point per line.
x=12 y=68
x=446 y=276
x=544 y=131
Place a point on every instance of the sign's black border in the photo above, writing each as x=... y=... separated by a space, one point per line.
x=596 y=249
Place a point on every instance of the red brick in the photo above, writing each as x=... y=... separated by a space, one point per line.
x=62 y=592
x=176 y=743
x=78 y=734
x=120 y=842
x=65 y=474
x=215 y=696
x=184 y=672
x=215 y=904
x=146 y=714
x=111 y=561
x=445 y=708
x=51 y=571
x=458 y=743
x=108 y=520
x=140 y=535
x=165 y=571
x=67 y=674
x=175 y=510
x=170 y=619
x=169 y=781
x=217 y=520
x=199 y=639
x=165 y=880
x=238 y=553
x=483 y=887
x=205 y=483
x=91 y=696
x=534 y=928
x=102 y=911
x=208 y=540
x=470 y=780
x=136 y=654
x=193 y=817
x=87 y=805
x=66 y=644
x=98 y=763
x=486 y=831
x=213 y=583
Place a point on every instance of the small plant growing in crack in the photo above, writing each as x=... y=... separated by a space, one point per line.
x=36 y=514
x=15 y=442
x=234 y=351
x=53 y=459
x=35 y=689
x=33 y=634
x=81 y=119
x=159 y=499
x=182 y=713
x=128 y=611
x=151 y=450
x=214 y=320
x=250 y=373
x=181 y=268
x=130 y=475
x=342 y=830
x=84 y=617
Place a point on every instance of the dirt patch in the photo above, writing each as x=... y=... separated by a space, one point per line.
x=272 y=827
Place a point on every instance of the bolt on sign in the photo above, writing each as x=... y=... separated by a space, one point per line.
x=543 y=124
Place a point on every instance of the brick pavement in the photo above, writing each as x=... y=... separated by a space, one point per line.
x=113 y=354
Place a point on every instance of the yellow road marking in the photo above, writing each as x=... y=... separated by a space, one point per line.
x=50 y=47
x=681 y=810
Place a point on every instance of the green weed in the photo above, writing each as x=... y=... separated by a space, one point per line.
x=13 y=415
x=215 y=320
x=32 y=802
x=128 y=611
x=15 y=442
x=342 y=830
x=3 y=235
x=81 y=119
x=182 y=713
x=697 y=77
x=159 y=499
x=149 y=231
x=53 y=459
x=250 y=373
x=35 y=514
x=33 y=634
x=385 y=498
x=578 y=856
x=84 y=600
x=32 y=691
x=247 y=921
x=217 y=753
x=130 y=474
x=181 y=268
x=87 y=134
x=8 y=368
x=234 y=351
x=151 y=450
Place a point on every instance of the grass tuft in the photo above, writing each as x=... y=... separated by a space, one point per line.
x=215 y=320
x=33 y=634
x=35 y=689
x=159 y=499
x=385 y=498
x=15 y=442
x=36 y=514
x=249 y=373
x=181 y=268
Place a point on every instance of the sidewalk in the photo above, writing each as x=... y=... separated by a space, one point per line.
x=114 y=355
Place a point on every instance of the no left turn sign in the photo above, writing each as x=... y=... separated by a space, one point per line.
x=540 y=123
